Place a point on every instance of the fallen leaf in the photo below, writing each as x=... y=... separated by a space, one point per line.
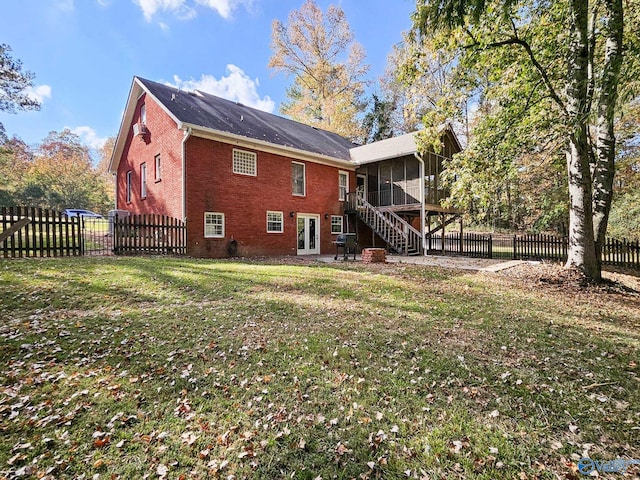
x=101 y=442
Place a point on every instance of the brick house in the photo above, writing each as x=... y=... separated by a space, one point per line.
x=245 y=181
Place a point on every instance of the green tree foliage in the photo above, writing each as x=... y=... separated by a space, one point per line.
x=550 y=76
x=625 y=211
x=13 y=84
x=327 y=65
x=59 y=174
x=15 y=159
x=378 y=121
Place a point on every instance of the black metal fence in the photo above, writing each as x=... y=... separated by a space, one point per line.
x=624 y=253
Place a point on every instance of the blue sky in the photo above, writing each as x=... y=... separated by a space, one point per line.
x=85 y=53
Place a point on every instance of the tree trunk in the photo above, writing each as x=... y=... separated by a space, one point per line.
x=582 y=250
x=604 y=169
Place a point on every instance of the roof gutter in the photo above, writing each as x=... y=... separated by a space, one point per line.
x=187 y=135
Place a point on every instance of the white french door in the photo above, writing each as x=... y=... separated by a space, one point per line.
x=308 y=234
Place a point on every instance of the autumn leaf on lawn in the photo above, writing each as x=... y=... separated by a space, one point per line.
x=188 y=438
x=341 y=449
x=100 y=439
x=162 y=470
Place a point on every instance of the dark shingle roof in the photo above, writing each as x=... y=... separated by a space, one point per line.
x=205 y=110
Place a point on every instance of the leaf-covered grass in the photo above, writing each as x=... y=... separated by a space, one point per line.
x=181 y=368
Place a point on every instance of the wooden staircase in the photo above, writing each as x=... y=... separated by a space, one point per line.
x=399 y=234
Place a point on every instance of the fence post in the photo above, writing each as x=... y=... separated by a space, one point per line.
x=490 y=245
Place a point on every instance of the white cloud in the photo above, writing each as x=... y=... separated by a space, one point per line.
x=38 y=93
x=236 y=86
x=65 y=5
x=89 y=137
x=177 y=7
x=224 y=7
x=183 y=11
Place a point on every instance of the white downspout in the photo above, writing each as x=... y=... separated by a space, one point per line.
x=187 y=134
x=422 y=199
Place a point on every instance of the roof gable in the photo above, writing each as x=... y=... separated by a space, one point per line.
x=396 y=147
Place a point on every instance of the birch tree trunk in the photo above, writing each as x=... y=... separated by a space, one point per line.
x=604 y=169
x=582 y=249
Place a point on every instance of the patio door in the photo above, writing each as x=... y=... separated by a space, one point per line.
x=308 y=234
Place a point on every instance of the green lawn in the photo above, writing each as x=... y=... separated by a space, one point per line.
x=180 y=368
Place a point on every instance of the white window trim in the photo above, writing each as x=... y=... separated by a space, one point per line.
x=129 y=186
x=244 y=152
x=341 y=224
x=205 y=225
x=143 y=180
x=304 y=180
x=346 y=187
x=281 y=221
x=157 y=172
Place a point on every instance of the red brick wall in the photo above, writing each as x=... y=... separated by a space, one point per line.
x=163 y=138
x=244 y=200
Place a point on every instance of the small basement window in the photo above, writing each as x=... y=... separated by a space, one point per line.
x=213 y=225
x=336 y=224
x=275 y=222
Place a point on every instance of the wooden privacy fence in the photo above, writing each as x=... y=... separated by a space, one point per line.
x=149 y=234
x=624 y=253
x=37 y=232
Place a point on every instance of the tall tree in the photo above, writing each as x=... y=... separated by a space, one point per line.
x=378 y=121
x=328 y=67
x=551 y=64
x=13 y=85
x=421 y=78
x=15 y=159
x=62 y=176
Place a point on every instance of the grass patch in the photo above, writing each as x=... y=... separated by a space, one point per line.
x=183 y=368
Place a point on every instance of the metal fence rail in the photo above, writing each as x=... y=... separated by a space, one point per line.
x=623 y=253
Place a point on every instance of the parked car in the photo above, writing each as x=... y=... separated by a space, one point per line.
x=79 y=212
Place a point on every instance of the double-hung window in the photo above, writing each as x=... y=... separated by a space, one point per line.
x=336 y=224
x=343 y=185
x=297 y=179
x=158 y=168
x=143 y=180
x=245 y=163
x=213 y=225
x=129 y=175
x=275 y=222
